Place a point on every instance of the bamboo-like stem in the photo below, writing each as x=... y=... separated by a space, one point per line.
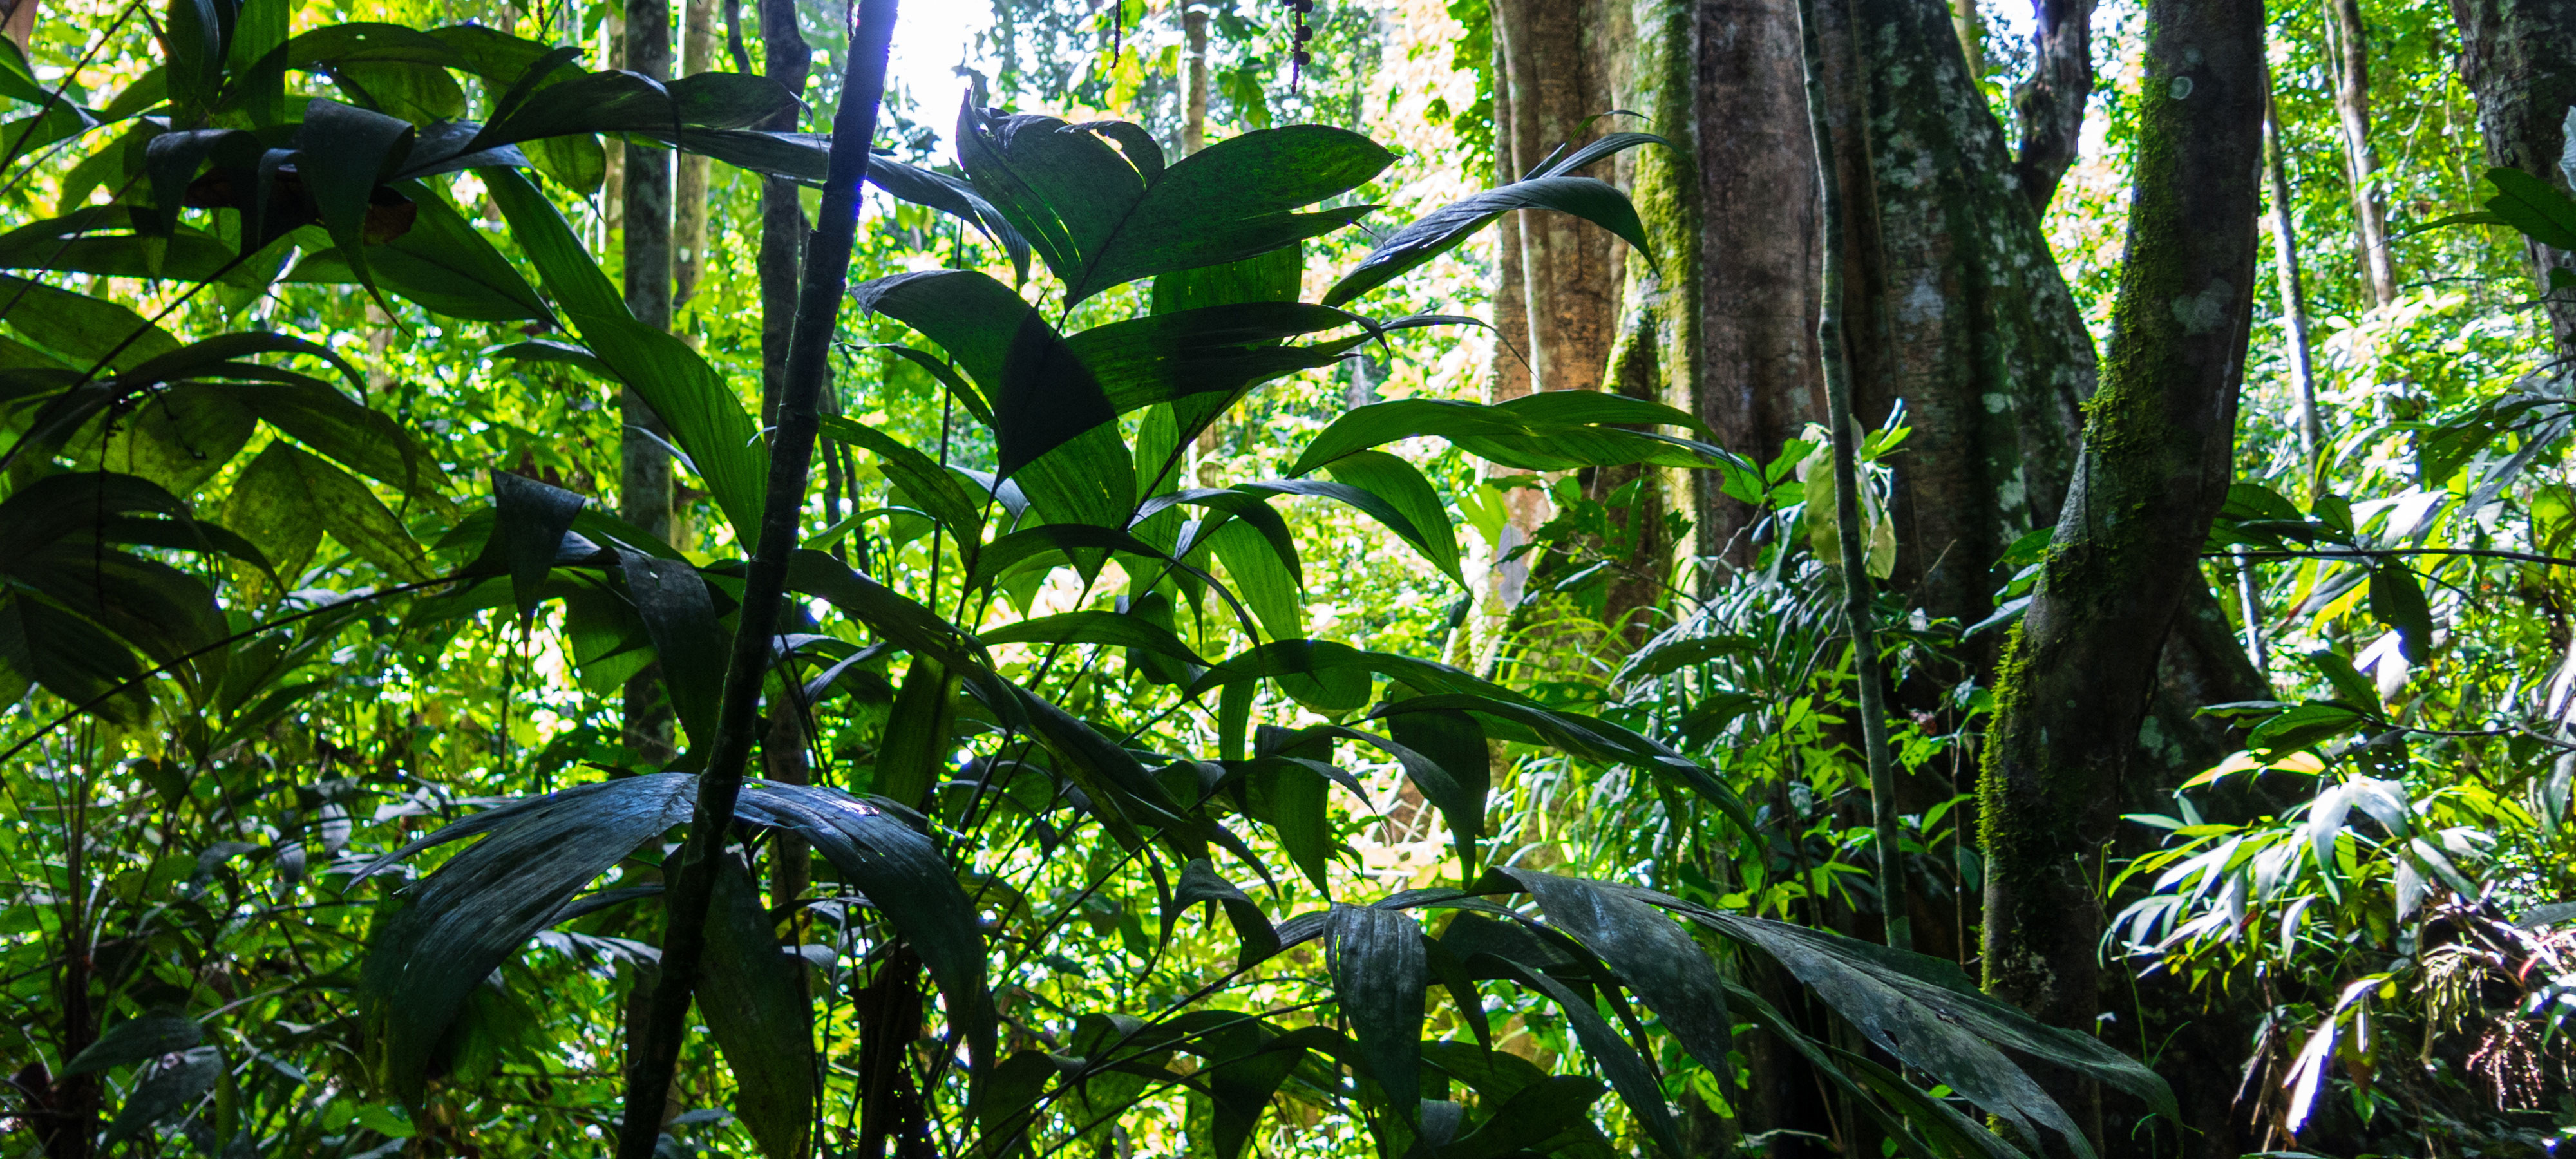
x=2294 y=304
x=655 y=1051
x=1847 y=518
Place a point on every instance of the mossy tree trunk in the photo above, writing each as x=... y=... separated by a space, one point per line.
x=2519 y=57
x=2156 y=461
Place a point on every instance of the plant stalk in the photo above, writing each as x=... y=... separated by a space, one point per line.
x=1855 y=554
x=655 y=1051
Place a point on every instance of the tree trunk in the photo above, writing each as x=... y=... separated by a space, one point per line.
x=2050 y=105
x=1194 y=22
x=1502 y=579
x=644 y=465
x=2156 y=462
x=1758 y=384
x=2519 y=57
x=689 y=193
x=2351 y=43
x=1958 y=309
x=2294 y=304
x=1568 y=276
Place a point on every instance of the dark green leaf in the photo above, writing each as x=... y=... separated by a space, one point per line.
x=1549 y=431
x=529 y=522
x=1651 y=954
x=460 y=923
x=2532 y=206
x=1201 y=882
x=1270 y=277
x=1595 y=201
x=171 y=1089
x=447 y=265
x=938 y=492
x=905 y=878
x=1380 y=976
x=133 y=1041
x=342 y=153
x=2305 y=726
x=562 y=262
x=706 y=420
x=2397 y=600
x=752 y=995
x=680 y=614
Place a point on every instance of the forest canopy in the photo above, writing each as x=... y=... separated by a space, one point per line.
x=1447 y=580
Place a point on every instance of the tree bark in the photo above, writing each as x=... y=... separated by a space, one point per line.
x=689 y=192
x=2519 y=57
x=1757 y=383
x=2351 y=43
x=644 y=465
x=1194 y=22
x=2155 y=465
x=1568 y=275
x=2050 y=105
x=1958 y=309
x=2294 y=304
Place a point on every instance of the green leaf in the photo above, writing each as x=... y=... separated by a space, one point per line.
x=626 y=102
x=2534 y=207
x=172 y=1088
x=286 y=497
x=918 y=744
x=2305 y=726
x=342 y=153
x=530 y=520
x=70 y=657
x=1209 y=355
x=1399 y=484
x=1267 y=581
x=179 y=439
x=1380 y=975
x=1650 y=953
x=562 y=262
x=1275 y=276
x=447 y=265
x=2347 y=681
x=136 y=1040
x=350 y=433
x=1252 y=930
x=1454 y=743
x=1925 y=1012
x=1616 y=1058
x=903 y=876
x=1043 y=396
x=680 y=615
x=753 y=997
x=705 y=419
x=85 y=330
x=1594 y=201
x=1549 y=431
x=460 y=923
x=934 y=488
x=1529 y=1118
x=1106 y=628
x=2397 y=600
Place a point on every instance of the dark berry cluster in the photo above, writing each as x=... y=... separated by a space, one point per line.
x=1297 y=60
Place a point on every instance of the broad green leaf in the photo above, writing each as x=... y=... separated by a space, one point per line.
x=1269 y=277
x=136 y=1040
x=86 y=331
x=68 y=656
x=1399 y=485
x=680 y=615
x=1100 y=216
x=940 y=494
x=530 y=520
x=2534 y=207
x=1201 y=882
x=905 y=877
x=1594 y=201
x=1105 y=628
x=752 y=995
x=706 y=420
x=1616 y=1058
x=1549 y=431
x=562 y=262
x=1453 y=742
x=454 y=927
x=2397 y=600
x=914 y=756
x=1266 y=581
x=626 y=102
x=343 y=153
x=173 y=1087
x=1042 y=394
x=1530 y=1118
x=1380 y=976
x=1215 y=351
x=2304 y=726
x=333 y=500
x=179 y=439
x=445 y=264
x=1650 y=952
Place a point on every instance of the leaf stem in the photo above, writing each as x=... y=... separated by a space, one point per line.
x=654 y=1052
